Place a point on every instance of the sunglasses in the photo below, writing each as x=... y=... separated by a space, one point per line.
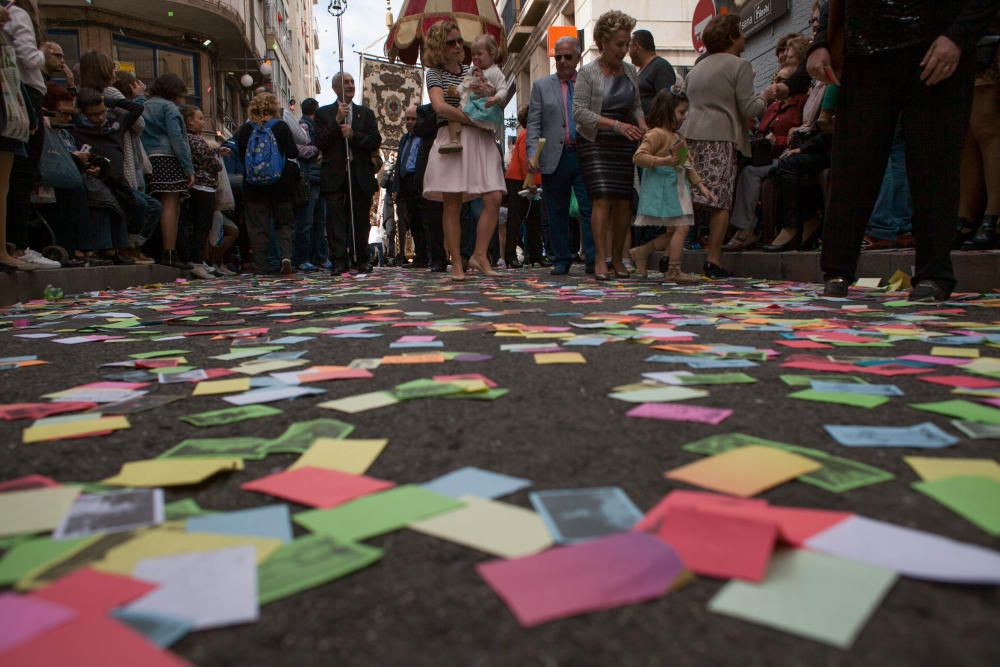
x=453 y=42
x=562 y=56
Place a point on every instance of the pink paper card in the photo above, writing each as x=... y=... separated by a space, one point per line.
x=680 y=413
x=27 y=482
x=719 y=545
x=964 y=381
x=931 y=359
x=317 y=487
x=803 y=344
x=92 y=592
x=23 y=617
x=332 y=373
x=91 y=641
x=693 y=499
x=417 y=339
x=600 y=574
x=826 y=366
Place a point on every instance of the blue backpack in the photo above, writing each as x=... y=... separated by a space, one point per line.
x=263 y=162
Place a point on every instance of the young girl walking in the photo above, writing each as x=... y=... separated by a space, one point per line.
x=665 y=194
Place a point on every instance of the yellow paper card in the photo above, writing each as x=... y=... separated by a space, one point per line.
x=361 y=402
x=35 y=510
x=353 y=456
x=471 y=386
x=72 y=429
x=269 y=366
x=948 y=351
x=985 y=365
x=868 y=282
x=430 y=358
x=559 y=358
x=154 y=543
x=934 y=468
x=745 y=471
x=171 y=472
x=497 y=528
x=902 y=278
x=212 y=387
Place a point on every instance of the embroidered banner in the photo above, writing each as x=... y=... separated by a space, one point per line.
x=387 y=90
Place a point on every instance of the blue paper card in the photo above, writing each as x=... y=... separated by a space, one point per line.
x=271 y=521
x=476 y=482
x=854 y=388
x=926 y=435
x=157 y=628
x=721 y=363
x=577 y=515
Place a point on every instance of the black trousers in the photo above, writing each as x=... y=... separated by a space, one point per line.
x=201 y=215
x=787 y=175
x=338 y=226
x=409 y=190
x=876 y=90
x=522 y=213
x=431 y=215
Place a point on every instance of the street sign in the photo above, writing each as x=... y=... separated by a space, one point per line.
x=703 y=13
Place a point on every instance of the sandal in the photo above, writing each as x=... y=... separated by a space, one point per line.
x=741 y=241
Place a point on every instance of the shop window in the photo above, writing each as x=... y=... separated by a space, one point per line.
x=148 y=61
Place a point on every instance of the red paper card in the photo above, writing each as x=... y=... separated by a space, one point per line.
x=15 y=411
x=719 y=545
x=964 y=381
x=93 y=592
x=692 y=499
x=803 y=344
x=90 y=641
x=317 y=487
x=27 y=482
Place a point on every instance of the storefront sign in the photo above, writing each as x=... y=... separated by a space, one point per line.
x=756 y=14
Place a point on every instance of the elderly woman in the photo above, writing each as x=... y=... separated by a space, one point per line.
x=609 y=123
x=720 y=92
x=476 y=171
x=262 y=203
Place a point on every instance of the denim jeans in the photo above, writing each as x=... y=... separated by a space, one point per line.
x=894 y=209
x=310 y=229
x=145 y=216
x=556 y=189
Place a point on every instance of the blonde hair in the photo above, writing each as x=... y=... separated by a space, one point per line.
x=432 y=49
x=263 y=107
x=488 y=43
x=609 y=23
x=798 y=45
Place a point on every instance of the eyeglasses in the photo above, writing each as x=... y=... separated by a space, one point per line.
x=563 y=56
x=453 y=42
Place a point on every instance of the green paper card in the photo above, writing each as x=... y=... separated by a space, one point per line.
x=658 y=394
x=856 y=400
x=716 y=378
x=807 y=380
x=28 y=556
x=230 y=415
x=377 y=513
x=299 y=437
x=488 y=395
x=307 y=562
x=161 y=353
x=812 y=595
x=837 y=474
x=183 y=509
x=425 y=389
x=976 y=499
x=966 y=410
x=195 y=448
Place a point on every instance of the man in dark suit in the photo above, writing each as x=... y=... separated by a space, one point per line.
x=406 y=188
x=355 y=124
x=431 y=212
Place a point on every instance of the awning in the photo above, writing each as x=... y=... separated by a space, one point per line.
x=474 y=17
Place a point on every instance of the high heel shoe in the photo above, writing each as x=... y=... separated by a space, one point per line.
x=791 y=244
x=485 y=270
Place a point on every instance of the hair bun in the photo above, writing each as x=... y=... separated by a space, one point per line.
x=679 y=90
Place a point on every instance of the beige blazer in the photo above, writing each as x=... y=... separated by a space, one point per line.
x=722 y=101
x=588 y=97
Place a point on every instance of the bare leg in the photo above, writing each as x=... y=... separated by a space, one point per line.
x=718 y=224
x=169 y=217
x=484 y=233
x=621 y=210
x=677 y=235
x=599 y=225
x=452 y=205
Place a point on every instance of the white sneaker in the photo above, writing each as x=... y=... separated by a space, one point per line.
x=39 y=260
x=199 y=271
x=222 y=270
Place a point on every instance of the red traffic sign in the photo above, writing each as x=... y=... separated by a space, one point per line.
x=703 y=13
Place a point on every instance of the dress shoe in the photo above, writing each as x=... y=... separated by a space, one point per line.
x=791 y=244
x=966 y=230
x=338 y=269
x=588 y=269
x=741 y=241
x=928 y=291
x=415 y=265
x=716 y=272
x=364 y=268
x=439 y=267
x=559 y=269
x=514 y=264
x=835 y=287
x=986 y=237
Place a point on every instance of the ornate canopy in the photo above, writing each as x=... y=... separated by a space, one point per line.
x=474 y=17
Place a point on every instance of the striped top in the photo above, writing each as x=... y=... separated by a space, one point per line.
x=438 y=77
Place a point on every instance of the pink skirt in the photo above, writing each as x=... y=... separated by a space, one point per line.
x=478 y=169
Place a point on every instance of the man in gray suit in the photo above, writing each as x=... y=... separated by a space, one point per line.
x=550 y=116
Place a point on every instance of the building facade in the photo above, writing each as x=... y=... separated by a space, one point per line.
x=527 y=21
x=211 y=44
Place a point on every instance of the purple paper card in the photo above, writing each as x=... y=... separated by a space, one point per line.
x=472 y=356
x=23 y=617
x=930 y=359
x=680 y=413
x=601 y=574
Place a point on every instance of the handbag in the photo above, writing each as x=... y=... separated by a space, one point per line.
x=57 y=167
x=301 y=193
x=18 y=118
x=224 y=199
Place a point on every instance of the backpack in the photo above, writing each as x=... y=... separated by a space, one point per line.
x=264 y=161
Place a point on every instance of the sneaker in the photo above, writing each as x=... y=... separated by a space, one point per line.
x=307 y=266
x=286 y=267
x=39 y=260
x=326 y=265
x=201 y=271
x=223 y=270
x=928 y=291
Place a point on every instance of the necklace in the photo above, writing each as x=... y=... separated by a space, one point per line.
x=609 y=70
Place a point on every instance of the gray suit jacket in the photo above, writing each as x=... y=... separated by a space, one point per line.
x=547 y=119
